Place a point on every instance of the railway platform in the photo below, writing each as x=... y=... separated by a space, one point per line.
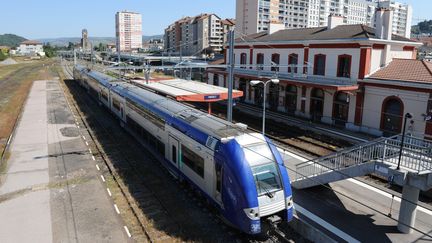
x=50 y=190
x=346 y=209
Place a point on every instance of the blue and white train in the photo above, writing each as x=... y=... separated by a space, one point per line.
x=240 y=172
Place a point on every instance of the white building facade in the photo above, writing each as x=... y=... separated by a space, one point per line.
x=31 y=48
x=128 y=31
x=254 y=16
x=348 y=76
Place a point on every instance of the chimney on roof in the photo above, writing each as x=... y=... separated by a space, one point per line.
x=384 y=23
x=334 y=20
x=274 y=27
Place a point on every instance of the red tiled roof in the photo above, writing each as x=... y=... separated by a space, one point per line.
x=350 y=32
x=406 y=70
x=228 y=21
x=31 y=42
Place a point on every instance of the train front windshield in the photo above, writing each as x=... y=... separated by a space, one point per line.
x=264 y=169
x=266 y=179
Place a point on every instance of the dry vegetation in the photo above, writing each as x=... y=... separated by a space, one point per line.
x=15 y=83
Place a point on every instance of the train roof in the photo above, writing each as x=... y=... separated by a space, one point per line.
x=214 y=126
x=104 y=79
x=211 y=125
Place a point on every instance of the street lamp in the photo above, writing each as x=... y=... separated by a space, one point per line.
x=255 y=82
x=407 y=116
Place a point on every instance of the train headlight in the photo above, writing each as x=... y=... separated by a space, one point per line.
x=252 y=213
x=289 y=202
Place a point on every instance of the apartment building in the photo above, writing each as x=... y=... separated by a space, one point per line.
x=348 y=76
x=128 y=31
x=254 y=16
x=197 y=35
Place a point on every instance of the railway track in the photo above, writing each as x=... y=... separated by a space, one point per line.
x=164 y=208
x=194 y=216
x=298 y=139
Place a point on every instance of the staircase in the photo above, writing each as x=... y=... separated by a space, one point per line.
x=365 y=158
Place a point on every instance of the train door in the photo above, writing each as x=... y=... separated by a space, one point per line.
x=173 y=151
x=218 y=183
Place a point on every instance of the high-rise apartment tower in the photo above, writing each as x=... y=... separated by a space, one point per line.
x=128 y=31
x=254 y=16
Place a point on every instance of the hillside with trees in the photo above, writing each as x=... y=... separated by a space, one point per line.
x=424 y=27
x=11 y=40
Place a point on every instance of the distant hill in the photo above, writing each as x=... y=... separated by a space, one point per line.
x=11 y=40
x=64 y=41
x=149 y=37
x=422 y=28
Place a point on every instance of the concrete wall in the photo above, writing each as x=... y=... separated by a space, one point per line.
x=332 y=60
x=398 y=52
x=414 y=102
x=328 y=107
x=376 y=57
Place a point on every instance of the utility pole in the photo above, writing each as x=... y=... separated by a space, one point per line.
x=231 y=75
x=75 y=57
x=91 y=53
x=147 y=72
x=181 y=59
x=118 y=56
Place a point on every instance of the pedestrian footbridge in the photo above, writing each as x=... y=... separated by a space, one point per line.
x=407 y=163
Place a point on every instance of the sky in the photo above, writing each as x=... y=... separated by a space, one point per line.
x=36 y=19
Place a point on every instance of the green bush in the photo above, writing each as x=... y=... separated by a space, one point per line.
x=2 y=56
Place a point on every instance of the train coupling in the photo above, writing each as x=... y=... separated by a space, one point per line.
x=274 y=220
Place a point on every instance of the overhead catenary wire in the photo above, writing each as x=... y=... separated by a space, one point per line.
x=340 y=193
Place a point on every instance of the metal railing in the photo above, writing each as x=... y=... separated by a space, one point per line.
x=416 y=156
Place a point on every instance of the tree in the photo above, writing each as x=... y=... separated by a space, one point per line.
x=49 y=50
x=425 y=26
x=71 y=46
x=2 y=56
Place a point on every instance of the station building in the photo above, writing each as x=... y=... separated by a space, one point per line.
x=351 y=76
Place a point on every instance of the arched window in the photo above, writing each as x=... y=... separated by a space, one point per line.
x=291 y=98
x=344 y=66
x=319 y=64
x=260 y=61
x=292 y=63
x=275 y=62
x=391 y=115
x=243 y=59
x=317 y=104
x=340 y=108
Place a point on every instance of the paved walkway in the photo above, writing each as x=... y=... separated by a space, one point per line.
x=51 y=191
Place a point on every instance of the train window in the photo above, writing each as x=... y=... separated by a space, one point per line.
x=218 y=178
x=116 y=104
x=257 y=154
x=104 y=95
x=266 y=178
x=160 y=148
x=156 y=120
x=192 y=160
x=174 y=154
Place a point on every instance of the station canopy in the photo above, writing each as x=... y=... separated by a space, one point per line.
x=188 y=90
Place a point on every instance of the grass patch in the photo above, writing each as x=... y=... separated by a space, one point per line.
x=16 y=81
x=160 y=75
x=6 y=70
